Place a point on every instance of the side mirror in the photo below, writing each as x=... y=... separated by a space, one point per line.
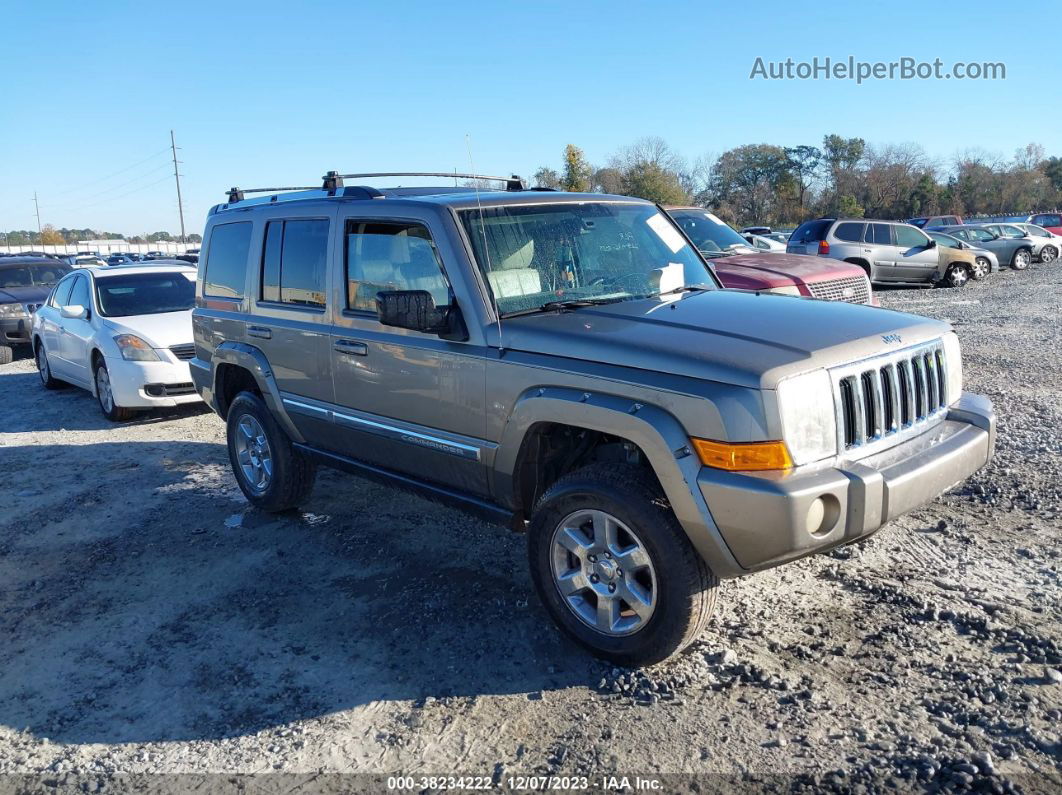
x=415 y=310
x=74 y=312
x=931 y=244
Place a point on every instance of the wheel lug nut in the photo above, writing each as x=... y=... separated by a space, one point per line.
x=593 y=558
x=608 y=554
x=593 y=578
x=611 y=587
x=619 y=572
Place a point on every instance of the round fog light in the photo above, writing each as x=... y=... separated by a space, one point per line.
x=822 y=515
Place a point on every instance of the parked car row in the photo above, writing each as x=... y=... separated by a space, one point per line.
x=569 y=365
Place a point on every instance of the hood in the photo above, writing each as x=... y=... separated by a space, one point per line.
x=159 y=331
x=730 y=336
x=32 y=294
x=779 y=270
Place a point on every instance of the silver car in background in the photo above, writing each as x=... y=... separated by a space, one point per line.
x=1015 y=249
x=985 y=263
x=1052 y=243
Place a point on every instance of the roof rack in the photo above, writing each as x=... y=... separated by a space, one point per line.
x=512 y=182
x=333 y=181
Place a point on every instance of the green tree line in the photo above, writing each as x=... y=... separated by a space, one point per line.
x=779 y=185
x=50 y=236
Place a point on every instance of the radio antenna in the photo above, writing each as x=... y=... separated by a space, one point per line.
x=486 y=247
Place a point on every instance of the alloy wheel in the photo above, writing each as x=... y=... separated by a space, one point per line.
x=42 y=365
x=103 y=389
x=981 y=268
x=1048 y=254
x=603 y=572
x=253 y=453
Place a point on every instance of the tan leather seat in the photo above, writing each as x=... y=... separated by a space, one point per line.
x=513 y=275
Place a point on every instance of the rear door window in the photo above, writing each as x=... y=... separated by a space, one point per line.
x=850 y=232
x=293 y=262
x=226 y=265
x=878 y=234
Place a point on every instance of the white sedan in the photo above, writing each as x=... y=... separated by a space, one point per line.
x=123 y=333
x=764 y=244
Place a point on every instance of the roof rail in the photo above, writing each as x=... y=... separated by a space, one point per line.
x=512 y=182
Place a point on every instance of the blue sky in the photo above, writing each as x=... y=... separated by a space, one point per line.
x=270 y=93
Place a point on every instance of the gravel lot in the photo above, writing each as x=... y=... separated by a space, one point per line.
x=151 y=623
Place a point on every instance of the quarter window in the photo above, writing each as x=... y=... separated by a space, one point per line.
x=227 y=260
x=852 y=233
x=909 y=237
x=62 y=292
x=293 y=262
x=390 y=255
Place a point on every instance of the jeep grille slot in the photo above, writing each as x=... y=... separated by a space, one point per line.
x=853 y=289
x=894 y=394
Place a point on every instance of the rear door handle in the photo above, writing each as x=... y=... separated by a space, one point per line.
x=261 y=332
x=351 y=347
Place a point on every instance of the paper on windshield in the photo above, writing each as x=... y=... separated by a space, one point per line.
x=666 y=232
x=672 y=276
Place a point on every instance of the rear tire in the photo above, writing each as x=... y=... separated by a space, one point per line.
x=1048 y=254
x=617 y=517
x=105 y=397
x=1022 y=259
x=271 y=473
x=982 y=267
x=7 y=355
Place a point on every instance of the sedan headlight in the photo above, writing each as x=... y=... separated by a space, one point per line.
x=809 y=422
x=953 y=361
x=790 y=290
x=135 y=349
x=12 y=310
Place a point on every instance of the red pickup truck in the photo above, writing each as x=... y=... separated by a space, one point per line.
x=740 y=266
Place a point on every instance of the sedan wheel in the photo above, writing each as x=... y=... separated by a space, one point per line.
x=1048 y=254
x=957 y=276
x=981 y=268
x=105 y=395
x=1021 y=260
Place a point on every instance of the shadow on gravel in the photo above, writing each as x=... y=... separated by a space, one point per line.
x=79 y=409
x=150 y=604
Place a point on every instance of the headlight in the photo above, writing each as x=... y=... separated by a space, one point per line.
x=135 y=349
x=12 y=310
x=953 y=361
x=809 y=423
x=790 y=290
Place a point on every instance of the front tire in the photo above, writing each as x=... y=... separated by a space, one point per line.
x=271 y=473
x=1048 y=254
x=1022 y=259
x=614 y=568
x=982 y=267
x=7 y=355
x=105 y=395
x=956 y=276
x=44 y=369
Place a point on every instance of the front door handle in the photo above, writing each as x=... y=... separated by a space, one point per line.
x=261 y=332
x=351 y=347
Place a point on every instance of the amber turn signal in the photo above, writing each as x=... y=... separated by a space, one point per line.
x=743 y=456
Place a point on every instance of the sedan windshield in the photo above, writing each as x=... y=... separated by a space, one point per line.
x=32 y=275
x=145 y=294
x=708 y=233
x=551 y=256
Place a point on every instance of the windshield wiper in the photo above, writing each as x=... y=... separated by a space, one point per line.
x=560 y=306
x=686 y=288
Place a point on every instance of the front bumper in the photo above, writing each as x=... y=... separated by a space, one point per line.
x=15 y=330
x=770 y=518
x=151 y=384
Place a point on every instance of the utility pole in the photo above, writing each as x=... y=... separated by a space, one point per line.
x=177 y=179
x=40 y=234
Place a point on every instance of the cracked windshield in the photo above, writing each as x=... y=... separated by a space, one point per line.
x=542 y=257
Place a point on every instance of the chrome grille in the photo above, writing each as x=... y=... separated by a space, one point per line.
x=884 y=397
x=853 y=289
x=183 y=352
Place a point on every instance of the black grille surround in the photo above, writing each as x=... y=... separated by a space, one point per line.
x=852 y=289
x=183 y=352
x=890 y=397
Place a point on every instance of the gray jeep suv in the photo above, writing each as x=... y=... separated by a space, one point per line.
x=566 y=364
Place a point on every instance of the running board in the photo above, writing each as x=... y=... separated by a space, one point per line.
x=468 y=503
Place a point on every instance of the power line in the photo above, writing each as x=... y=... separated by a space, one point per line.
x=116 y=173
x=119 y=186
x=116 y=198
